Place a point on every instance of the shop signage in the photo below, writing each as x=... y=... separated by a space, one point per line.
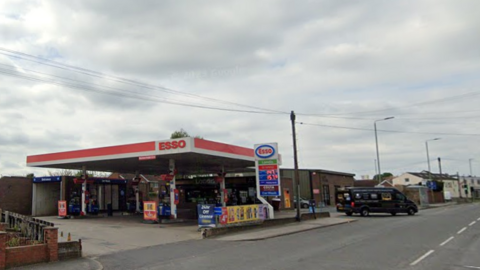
x=62 y=208
x=147 y=158
x=206 y=215
x=149 y=210
x=268 y=172
x=47 y=179
x=172 y=145
x=316 y=191
x=207 y=181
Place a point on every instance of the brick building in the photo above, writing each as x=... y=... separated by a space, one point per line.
x=16 y=194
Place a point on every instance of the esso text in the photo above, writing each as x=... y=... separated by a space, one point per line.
x=172 y=145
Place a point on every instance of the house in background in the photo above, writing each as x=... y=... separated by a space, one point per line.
x=451 y=188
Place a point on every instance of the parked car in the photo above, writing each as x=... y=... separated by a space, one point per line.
x=374 y=200
x=304 y=203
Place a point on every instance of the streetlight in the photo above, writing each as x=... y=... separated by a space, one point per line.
x=428 y=162
x=376 y=144
x=428 y=156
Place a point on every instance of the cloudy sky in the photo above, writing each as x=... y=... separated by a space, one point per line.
x=81 y=74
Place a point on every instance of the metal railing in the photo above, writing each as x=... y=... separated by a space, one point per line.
x=24 y=227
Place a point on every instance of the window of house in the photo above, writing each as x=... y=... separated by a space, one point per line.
x=478 y=182
x=407 y=180
x=472 y=181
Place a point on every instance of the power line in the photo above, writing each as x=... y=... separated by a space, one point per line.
x=101 y=75
x=128 y=94
x=391 y=131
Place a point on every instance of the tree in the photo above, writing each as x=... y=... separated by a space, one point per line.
x=384 y=176
x=182 y=134
x=179 y=134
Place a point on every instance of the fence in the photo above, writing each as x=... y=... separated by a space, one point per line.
x=27 y=229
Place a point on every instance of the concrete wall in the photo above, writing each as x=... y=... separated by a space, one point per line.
x=16 y=194
x=45 y=199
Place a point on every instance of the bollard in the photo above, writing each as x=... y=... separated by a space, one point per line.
x=69 y=237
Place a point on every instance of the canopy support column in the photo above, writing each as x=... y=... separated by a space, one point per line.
x=84 y=190
x=173 y=189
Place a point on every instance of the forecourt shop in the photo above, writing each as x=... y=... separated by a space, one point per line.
x=177 y=160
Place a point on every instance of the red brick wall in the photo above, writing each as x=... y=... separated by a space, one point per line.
x=18 y=256
x=16 y=195
x=332 y=180
x=3 y=239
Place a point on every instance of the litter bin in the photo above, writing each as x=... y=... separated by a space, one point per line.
x=109 y=210
x=276 y=204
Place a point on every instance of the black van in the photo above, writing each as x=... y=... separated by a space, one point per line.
x=373 y=200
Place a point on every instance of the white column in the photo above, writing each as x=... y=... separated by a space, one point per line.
x=84 y=189
x=137 y=198
x=222 y=187
x=173 y=206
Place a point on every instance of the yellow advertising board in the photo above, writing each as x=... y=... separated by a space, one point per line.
x=243 y=213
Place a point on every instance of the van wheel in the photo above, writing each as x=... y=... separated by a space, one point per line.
x=348 y=213
x=394 y=213
x=364 y=212
x=411 y=211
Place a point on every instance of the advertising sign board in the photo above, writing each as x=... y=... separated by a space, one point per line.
x=206 y=215
x=62 y=208
x=149 y=210
x=268 y=172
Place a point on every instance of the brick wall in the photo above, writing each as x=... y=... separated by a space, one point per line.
x=18 y=256
x=321 y=179
x=69 y=250
x=16 y=194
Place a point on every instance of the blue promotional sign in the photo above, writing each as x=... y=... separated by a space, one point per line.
x=268 y=183
x=206 y=215
x=47 y=179
x=432 y=185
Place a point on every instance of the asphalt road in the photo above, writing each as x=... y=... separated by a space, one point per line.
x=442 y=238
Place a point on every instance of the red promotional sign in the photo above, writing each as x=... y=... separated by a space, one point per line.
x=147 y=158
x=224 y=216
x=225 y=195
x=176 y=198
x=62 y=208
x=267 y=167
x=149 y=210
x=167 y=177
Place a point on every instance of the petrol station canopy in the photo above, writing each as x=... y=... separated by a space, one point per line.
x=192 y=156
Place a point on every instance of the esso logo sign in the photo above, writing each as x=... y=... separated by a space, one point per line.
x=265 y=151
x=172 y=145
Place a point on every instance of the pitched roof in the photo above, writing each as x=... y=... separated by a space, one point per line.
x=434 y=176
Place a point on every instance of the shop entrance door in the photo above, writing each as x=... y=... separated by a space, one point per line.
x=115 y=197
x=326 y=194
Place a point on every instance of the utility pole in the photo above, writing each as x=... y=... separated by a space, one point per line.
x=295 y=162
x=440 y=166
x=470 y=165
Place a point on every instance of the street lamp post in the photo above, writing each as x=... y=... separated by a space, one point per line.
x=428 y=156
x=428 y=162
x=376 y=144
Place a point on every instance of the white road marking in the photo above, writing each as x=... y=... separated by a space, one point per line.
x=446 y=241
x=471 y=267
x=462 y=230
x=423 y=257
x=471 y=224
x=478 y=219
